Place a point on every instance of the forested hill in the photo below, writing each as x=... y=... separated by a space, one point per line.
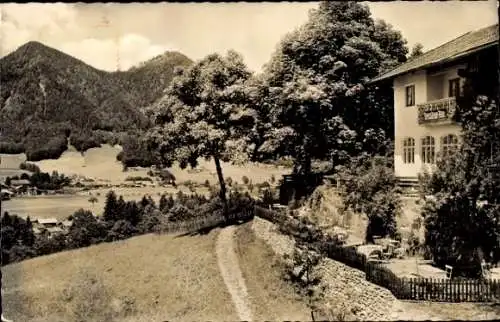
x=47 y=96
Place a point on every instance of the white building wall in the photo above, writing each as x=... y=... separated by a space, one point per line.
x=406 y=118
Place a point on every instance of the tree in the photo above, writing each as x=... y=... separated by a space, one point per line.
x=93 y=200
x=417 y=50
x=318 y=100
x=110 y=206
x=85 y=230
x=370 y=188
x=462 y=210
x=301 y=270
x=204 y=114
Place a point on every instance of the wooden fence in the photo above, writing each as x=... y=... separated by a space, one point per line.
x=417 y=289
x=431 y=289
x=197 y=224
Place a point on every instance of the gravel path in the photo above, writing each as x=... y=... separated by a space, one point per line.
x=231 y=273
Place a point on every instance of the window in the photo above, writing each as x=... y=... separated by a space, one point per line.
x=454 y=87
x=428 y=149
x=410 y=95
x=409 y=150
x=449 y=143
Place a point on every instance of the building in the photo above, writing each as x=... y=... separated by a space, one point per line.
x=48 y=222
x=24 y=186
x=425 y=92
x=6 y=194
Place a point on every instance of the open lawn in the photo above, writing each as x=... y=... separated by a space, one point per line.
x=147 y=278
x=62 y=206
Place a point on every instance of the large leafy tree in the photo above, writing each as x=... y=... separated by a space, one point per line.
x=317 y=98
x=462 y=213
x=205 y=114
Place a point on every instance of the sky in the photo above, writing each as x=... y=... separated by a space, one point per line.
x=110 y=36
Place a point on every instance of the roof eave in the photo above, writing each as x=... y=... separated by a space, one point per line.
x=442 y=61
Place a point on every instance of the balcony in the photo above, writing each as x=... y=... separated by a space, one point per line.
x=439 y=111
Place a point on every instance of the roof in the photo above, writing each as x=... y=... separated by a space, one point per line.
x=19 y=182
x=6 y=191
x=459 y=47
x=55 y=230
x=44 y=221
x=67 y=223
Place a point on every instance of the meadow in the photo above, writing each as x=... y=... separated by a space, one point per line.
x=100 y=164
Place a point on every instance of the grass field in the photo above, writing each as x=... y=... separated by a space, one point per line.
x=272 y=298
x=147 y=278
x=100 y=163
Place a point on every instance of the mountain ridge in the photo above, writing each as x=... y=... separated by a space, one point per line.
x=47 y=95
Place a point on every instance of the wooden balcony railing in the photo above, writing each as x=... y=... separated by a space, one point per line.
x=438 y=111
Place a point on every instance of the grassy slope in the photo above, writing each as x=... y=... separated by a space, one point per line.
x=271 y=297
x=148 y=278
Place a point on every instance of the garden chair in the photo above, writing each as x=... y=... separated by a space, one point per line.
x=449 y=271
x=485 y=270
x=388 y=252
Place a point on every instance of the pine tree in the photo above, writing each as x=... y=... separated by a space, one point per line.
x=163 y=202
x=110 y=207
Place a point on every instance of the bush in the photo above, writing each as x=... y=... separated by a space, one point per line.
x=11 y=148
x=180 y=212
x=229 y=181
x=31 y=167
x=83 y=141
x=370 y=188
x=85 y=230
x=138 y=178
x=245 y=180
x=45 y=148
x=122 y=229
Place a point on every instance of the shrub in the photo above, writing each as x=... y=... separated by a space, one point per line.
x=138 y=178
x=48 y=148
x=83 y=141
x=31 y=167
x=229 y=181
x=180 y=212
x=245 y=180
x=122 y=229
x=85 y=230
x=11 y=148
x=301 y=270
x=370 y=188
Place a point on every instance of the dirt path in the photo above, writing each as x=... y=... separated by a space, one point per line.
x=231 y=273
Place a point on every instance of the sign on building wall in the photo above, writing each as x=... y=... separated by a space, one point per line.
x=441 y=110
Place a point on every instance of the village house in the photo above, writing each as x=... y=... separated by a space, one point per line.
x=425 y=92
x=50 y=226
x=23 y=186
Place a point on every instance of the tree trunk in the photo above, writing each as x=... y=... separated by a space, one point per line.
x=222 y=184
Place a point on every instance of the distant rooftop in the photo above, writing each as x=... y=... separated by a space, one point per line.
x=47 y=221
x=452 y=50
x=19 y=182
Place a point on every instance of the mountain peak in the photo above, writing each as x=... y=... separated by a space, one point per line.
x=34 y=46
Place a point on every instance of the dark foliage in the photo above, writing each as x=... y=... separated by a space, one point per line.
x=46 y=95
x=462 y=209
x=369 y=188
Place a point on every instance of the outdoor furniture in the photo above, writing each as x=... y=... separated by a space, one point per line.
x=400 y=252
x=485 y=270
x=449 y=271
